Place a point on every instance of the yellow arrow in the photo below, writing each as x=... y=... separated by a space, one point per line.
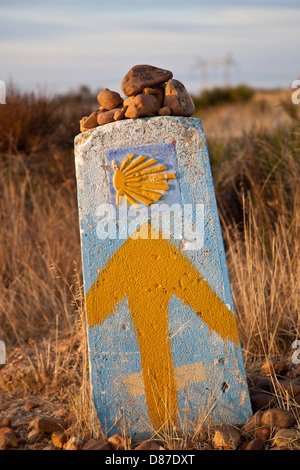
x=149 y=271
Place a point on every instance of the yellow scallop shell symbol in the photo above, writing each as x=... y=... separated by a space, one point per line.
x=141 y=179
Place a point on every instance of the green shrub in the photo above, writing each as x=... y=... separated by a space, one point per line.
x=223 y=95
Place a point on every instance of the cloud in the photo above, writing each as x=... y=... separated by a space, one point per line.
x=74 y=42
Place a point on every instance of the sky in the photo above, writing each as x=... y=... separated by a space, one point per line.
x=58 y=45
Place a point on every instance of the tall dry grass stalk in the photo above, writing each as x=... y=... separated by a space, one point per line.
x=265 y=113
x=38 y=224
x=78 y=394
x=265 y=276
x=264 y=255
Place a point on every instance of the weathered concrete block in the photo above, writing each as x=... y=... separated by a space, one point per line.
x=163 y=342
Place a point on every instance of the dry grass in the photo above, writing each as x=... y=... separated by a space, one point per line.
x=255 y=160
x=38 y=227
x=264 y=271
x=264 y=114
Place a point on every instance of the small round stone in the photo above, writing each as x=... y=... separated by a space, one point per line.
x=142 y=76
x=278 y=417
x=109 y=99
x=142 y=106
x=255 y=444
x=178 y=99
x=261 y=400
x=164 y=111
x=286 y=437
x=226 y=437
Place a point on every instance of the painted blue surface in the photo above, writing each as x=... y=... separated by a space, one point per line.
x=165 y=153
x=114 y=354
x=113 y=349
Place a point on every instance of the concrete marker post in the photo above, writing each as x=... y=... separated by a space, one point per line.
x=163 y=342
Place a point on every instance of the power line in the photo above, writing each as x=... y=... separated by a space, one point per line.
x=205 y=65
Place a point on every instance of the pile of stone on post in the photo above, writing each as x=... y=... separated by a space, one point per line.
x=150 y=91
